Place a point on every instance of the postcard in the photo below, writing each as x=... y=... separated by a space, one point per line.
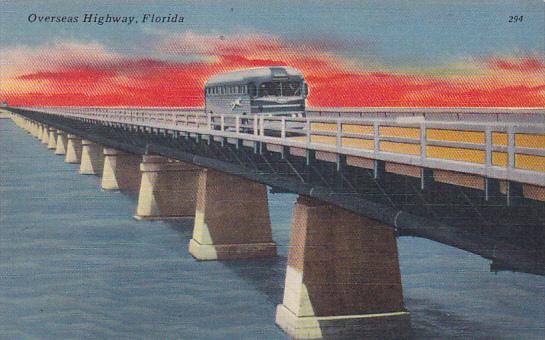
x=272 y=169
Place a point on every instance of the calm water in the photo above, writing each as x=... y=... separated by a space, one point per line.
x=75 y=264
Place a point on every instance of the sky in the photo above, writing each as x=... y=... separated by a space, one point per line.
x=419 y=53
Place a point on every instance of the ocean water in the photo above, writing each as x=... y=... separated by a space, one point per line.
x=75 y=264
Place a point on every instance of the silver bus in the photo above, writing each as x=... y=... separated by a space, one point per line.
x=272 y=91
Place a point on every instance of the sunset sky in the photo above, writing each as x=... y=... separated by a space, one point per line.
x=352 y=53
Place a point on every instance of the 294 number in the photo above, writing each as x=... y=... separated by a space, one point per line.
x=515 y=18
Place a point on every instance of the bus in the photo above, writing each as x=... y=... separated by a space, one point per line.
x=272 y=91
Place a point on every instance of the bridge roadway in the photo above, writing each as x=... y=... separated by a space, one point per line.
x=421 y=173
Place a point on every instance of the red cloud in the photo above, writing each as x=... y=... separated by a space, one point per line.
x=86 y=74
x=116 y=80
x=524 y=64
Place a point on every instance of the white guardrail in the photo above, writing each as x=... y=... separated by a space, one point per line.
x=512 y=151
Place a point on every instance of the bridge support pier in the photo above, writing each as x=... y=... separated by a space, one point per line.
x=32 y=128
x=73 y=149
x=45 y=134
x=24 y=123
x=121 y=170
x=167 y=190
x=92 y=158
x=52 y=143
x=39 y=131
x=231 y=220
x=62 y=141
x=343 y=278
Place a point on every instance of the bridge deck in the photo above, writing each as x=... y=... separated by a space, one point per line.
x=495 y=148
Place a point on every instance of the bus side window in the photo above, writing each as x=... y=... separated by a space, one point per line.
x=305 y=89
x=252 y=90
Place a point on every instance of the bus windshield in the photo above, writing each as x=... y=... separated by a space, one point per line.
x=280 y=88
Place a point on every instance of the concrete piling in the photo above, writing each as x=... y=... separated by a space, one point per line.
x=73 y=149
x=62 y=142
x=52 y=142
x=343 y=277
x=167 y=189
x=92 y=158
x=45 y=134
x=231 y=220
x=121 y=170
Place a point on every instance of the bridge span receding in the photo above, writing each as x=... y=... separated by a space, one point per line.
x=357 y=177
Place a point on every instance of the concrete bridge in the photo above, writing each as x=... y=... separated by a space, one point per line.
x=363 y=177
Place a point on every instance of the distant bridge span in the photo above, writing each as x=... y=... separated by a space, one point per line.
x=358 y=173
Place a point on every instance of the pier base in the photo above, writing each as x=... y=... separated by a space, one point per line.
x=62 y=141
x=121 y=170
x=52 y=143
x=92 y=158
x=232 y=219
x=167 y=189
x=343 y=278
x=73 y=149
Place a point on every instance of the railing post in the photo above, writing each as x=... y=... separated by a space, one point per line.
x=222 y=122
x=423 y=142
x=209 y=121
x=488 y=146
x=376 y=137
x=511 y=148
x=338 y=139
x=237 y=124
x=262 y=126
x=283 y=128
x=256 y=131
x=309 y=134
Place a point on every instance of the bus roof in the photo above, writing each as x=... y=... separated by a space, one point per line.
x=257 y=74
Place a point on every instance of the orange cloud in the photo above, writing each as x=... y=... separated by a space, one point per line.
x=90 y=74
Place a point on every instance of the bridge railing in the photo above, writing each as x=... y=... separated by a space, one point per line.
x=496 y=149
x=461 y=114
